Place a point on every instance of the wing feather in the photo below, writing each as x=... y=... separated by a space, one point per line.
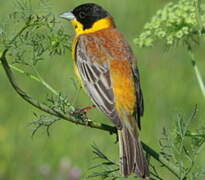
x=140 y=102
x=96 y=79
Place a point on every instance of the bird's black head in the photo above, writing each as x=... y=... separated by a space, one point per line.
x=88 y=14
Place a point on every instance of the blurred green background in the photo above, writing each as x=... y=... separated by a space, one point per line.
x=168 y=83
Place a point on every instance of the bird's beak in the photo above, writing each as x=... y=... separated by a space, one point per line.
x=67 y=15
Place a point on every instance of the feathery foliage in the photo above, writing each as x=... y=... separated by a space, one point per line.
x=42 y=35
x=183 y=21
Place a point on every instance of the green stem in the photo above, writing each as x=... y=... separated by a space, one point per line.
x=29 y=75
x=192 y=134
x=41 y=80
x=199 y=14
x=38 y=79
x=199 y=79
x=197 y=72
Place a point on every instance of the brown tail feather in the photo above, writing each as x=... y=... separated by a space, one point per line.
x=132 y=159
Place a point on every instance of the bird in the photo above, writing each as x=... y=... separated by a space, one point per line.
x=106 y=66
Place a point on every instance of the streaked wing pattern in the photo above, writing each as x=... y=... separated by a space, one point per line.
x=96 y=79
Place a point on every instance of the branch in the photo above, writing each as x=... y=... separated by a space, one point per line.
x=171 y=167
x=44 y=107
x=69 y=117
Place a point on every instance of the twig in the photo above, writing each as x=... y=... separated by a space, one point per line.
x=35 y=78
x=171 y=167
x=45 y=83
x=45 y=108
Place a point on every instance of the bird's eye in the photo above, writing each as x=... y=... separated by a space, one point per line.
x=82 y=15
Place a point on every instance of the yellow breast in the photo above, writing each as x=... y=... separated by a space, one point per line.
x=123 y=86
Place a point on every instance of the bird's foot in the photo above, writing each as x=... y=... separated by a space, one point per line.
x=83 y=111
x=81 y=114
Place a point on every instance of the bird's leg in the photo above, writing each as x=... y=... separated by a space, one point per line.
x=83 y=111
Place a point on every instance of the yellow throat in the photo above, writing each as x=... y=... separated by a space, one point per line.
x=98 y=25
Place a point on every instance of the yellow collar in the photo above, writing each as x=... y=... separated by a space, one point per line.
x=98 y=25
